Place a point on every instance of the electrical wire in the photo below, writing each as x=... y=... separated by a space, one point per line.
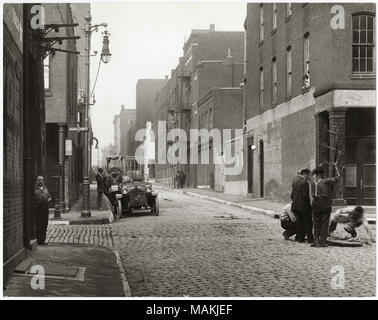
x=98 y=70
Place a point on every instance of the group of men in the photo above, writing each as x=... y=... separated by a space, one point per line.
x=309 y=214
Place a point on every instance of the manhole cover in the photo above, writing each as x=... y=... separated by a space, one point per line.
x=344 y=243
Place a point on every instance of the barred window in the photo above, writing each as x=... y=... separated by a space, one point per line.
x=363 y=43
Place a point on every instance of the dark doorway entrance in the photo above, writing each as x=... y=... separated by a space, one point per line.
x=261 y=168
x=360 y=172
x=360 y=157
x=250 y=165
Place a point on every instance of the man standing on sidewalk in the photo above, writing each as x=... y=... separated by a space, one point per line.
x=41 y=199
x=322 y=204
x=101 y=179
x=301 y=206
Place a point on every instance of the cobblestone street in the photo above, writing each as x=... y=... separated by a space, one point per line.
x=201 y=248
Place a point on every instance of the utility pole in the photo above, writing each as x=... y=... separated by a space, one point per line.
x=86 y=211
x=105 y=57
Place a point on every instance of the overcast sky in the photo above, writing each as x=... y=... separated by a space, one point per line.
x=146 y=42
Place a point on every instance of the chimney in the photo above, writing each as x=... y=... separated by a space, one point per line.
x=122 y=107
x=166 y=77
x=212 y=27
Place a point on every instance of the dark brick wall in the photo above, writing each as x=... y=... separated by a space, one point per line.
x=13 y=194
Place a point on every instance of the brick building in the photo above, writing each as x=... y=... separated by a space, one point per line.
x=146 y=91
x=127 y=123
x=309 y=90
x=211 y=60
x=24 y=131
x=61 y=92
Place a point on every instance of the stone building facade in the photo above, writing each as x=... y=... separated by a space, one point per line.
x=309 y=93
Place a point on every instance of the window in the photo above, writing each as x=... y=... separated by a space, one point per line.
x=363 y=43
x=261 y=88
x=261 y=23
x=288 y=10
x=274 y=81
x=274 y=18
x=46 y=72
x=306 y=60
x=288 y=72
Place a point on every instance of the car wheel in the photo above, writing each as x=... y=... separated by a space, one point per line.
x=155 y=207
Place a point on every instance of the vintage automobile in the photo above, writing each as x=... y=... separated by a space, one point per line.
x=129 y=195
x=139 y=196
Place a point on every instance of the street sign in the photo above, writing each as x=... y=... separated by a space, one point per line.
x=68 y=147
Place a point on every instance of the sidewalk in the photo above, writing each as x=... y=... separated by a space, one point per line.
x=263 y=206
x=70 y=271
x=74 y=217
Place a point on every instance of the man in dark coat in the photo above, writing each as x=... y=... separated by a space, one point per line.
x=101 y=180
x=41 y=199
x=301 y=206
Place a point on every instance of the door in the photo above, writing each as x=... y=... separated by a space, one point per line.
x=359 y=178
x=261 y=168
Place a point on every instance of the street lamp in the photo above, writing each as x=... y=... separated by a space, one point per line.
x=105 y=56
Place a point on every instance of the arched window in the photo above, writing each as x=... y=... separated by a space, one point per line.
x=274 y=16
x=288 y=72
x=274 y=81
x=363 y=43
x=261 y=23
x=306 y=60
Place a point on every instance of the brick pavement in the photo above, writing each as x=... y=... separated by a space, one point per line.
x=99 y=235
x=200 y=248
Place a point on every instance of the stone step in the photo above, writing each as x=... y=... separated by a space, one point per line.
x=24 y=266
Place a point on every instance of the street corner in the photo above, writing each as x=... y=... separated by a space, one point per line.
x=68 y=270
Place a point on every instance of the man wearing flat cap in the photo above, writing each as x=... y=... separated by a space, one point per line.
x=322 y=204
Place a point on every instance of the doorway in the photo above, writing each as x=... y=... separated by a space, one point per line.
x=360 y=172
x=250 y=165
x=261 y=168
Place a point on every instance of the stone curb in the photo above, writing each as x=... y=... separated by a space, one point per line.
x=90 y=221
x=267 y=212
x=125 y=283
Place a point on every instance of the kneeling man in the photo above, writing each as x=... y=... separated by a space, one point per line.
x=288 y=221
x=352 y=218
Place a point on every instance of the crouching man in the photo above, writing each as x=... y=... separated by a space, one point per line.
x=352 y=219
x=288 y=221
